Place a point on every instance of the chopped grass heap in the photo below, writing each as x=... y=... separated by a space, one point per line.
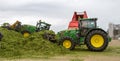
x=14 y=44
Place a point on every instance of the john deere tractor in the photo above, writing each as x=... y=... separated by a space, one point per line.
x=96 y=39
x=26 y=30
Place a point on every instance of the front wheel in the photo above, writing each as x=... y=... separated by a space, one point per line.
x=68 y=43
x=97 y=40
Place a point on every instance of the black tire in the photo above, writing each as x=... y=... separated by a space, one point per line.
x=25 y=31
x=50 y=37
x=89 y=43
x=70 y=40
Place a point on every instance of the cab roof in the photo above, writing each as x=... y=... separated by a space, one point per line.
x=89 y=19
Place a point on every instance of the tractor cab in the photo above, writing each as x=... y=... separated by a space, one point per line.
x=42 y=26
x=86 y=24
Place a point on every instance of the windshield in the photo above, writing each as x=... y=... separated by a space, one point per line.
x=43 y=25
x=88 y=24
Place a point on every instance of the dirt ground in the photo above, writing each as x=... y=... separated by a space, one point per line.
x=115 y=43
x=77 y=57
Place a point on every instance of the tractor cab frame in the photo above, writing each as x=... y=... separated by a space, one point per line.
x=88 y=23
x=42 y=26
x=84 y=25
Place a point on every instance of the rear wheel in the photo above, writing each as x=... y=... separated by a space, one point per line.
x=26 y=34
x=68 y=43
x=97 y=40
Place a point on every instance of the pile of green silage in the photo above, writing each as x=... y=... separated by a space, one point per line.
x=14 y=44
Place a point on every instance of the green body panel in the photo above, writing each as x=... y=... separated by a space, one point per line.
x=109 y=39
x=39 y=27
x=72 y=34
x=82 y=40
x=29 y=28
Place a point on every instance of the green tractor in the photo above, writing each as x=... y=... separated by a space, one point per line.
x=96 y=39
x=26 y=30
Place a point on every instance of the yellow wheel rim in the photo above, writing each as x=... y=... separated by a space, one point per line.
x=26 y=34
x=97 y=41
x=67 y=43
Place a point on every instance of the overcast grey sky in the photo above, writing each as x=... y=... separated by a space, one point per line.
x=59 y=12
